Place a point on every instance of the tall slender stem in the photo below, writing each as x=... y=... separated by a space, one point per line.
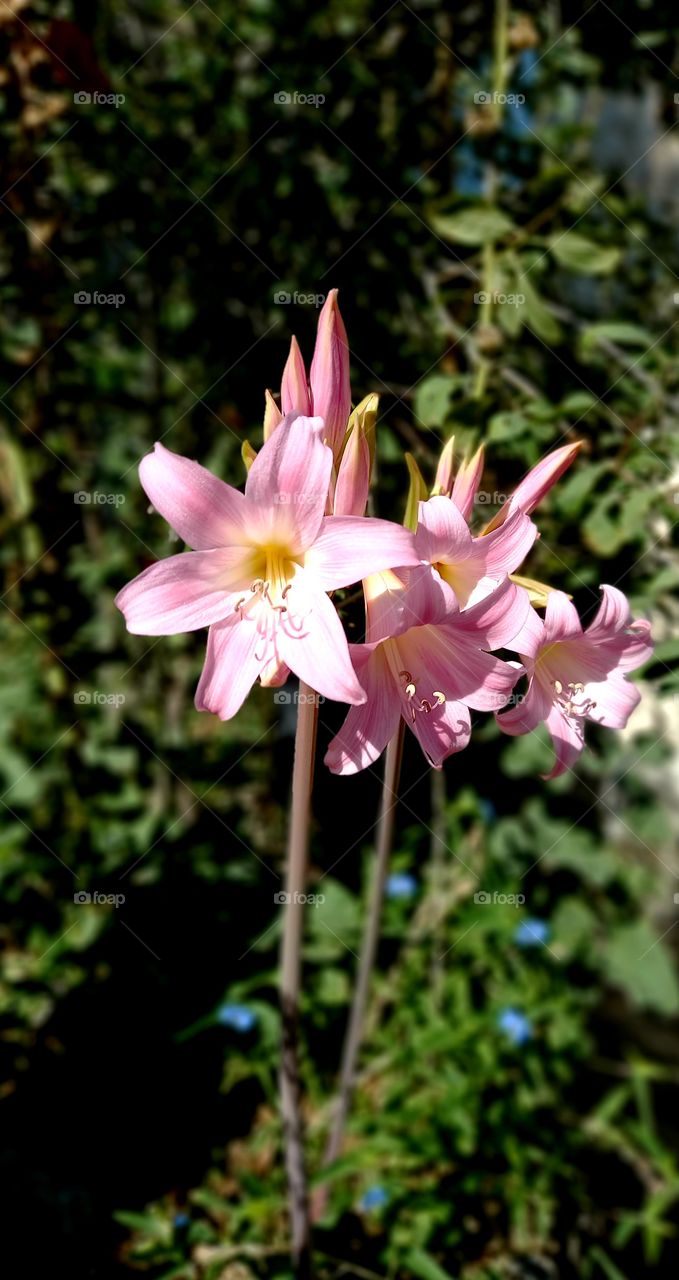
x=291 y=965
x=371 y=933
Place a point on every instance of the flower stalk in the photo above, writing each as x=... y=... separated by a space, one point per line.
x=371 y=933
x=290 y=970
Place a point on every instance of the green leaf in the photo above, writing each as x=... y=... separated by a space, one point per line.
x=478 y=225
x=535 y=314
x=432 y=399
x=423 y=1265
x=619 y=331
x=577 y=253
x=636 y=960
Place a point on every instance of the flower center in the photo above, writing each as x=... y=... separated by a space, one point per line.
x=417 y=702
x=572 y=700
x=268 y=603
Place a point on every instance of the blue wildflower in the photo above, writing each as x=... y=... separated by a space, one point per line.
x=237 y=1016
x=488 y=811
x=181 y=1220
x=531 y=932
x=516 y=1026
x=400 y=885
x=373 y=1198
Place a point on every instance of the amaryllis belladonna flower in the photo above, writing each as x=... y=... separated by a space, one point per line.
x=444 y=540
x=424 y=660
x=576 y=675
x=262 y=565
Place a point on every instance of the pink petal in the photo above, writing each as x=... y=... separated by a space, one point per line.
x=353 y=477
x=231 y=667
x=202 y=509
x=287 y=485
x=349 y=548
x=442 y=662
x=540 y=479
x=311 y=640
x=467 y=482
x=414 y=597
x=527 y=712
x=445 y=470
x=295 y=396
x=561 y=618
x=530 y=639
x=273 y=674
x=614 y=700
x=638 y=646
x=442 y=532
x=495 y=621
x=443 y=732
x=507 y=547
x=367 y=729
x=567 y=740
x=329 y=377
x=613 y=628
x=185 y=592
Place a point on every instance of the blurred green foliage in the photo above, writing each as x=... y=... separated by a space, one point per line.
x=200 y=198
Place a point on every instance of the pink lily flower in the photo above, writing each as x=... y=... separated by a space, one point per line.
x=329 y=395
x=424 y=660
x=262 y=565
x=576 y=675
x=444 y=540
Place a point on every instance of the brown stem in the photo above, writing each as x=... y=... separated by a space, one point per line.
x=291 y=961
x=371 y=933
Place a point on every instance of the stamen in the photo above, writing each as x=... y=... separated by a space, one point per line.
x=410 y=689
x=567 y=701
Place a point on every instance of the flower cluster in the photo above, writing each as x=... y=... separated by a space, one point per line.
x=440 y=600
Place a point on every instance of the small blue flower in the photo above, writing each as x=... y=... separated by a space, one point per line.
x=237 y=1016
x=488 y=811
x=531 y=932
x=517 y=1027
x=400 y=885
x=373 y=1198
x=181 y=1220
